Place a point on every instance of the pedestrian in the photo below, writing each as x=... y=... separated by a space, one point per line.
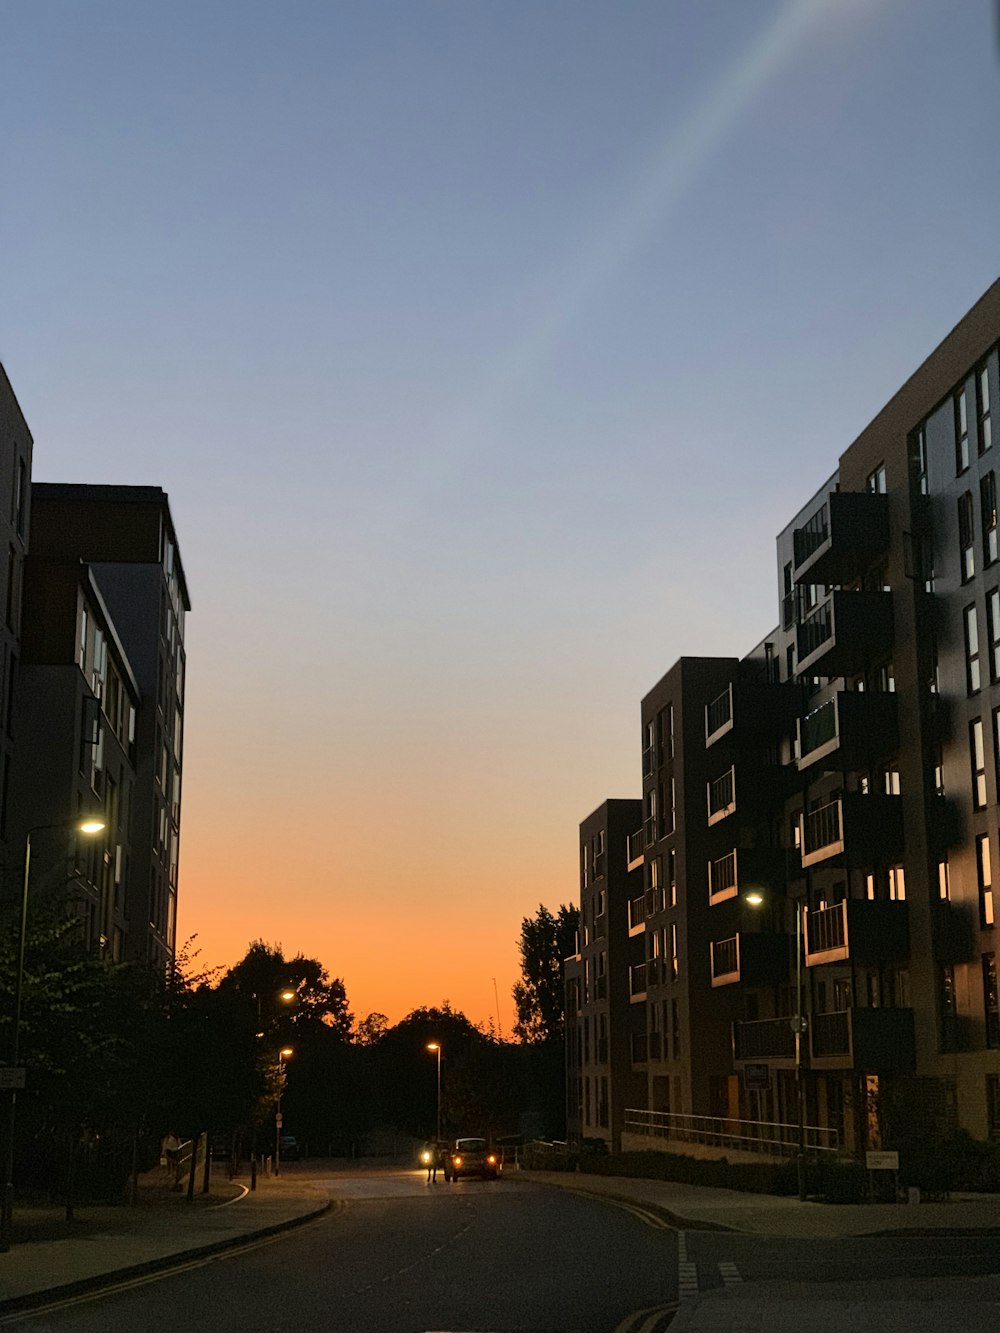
x=170 y=1151
x=432 y=1156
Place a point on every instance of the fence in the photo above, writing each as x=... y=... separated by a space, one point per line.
x=762 y=1136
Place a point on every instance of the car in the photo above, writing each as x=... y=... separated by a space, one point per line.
x=288 y=1146
x=472 y=1157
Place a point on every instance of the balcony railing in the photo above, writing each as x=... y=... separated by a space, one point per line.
x=814 y=630
x=810 y=538
x=722 y=796
x=764 y=1039
x=818 y=728
x=725 y=961
x=722 y=879
x=863 y=930
x=637 y=912
x=822 y=830
x=635 y=845
x=637 y=980
x=826 y=929
x=719 y=715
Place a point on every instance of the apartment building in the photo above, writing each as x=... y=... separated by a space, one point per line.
x=15 y=483
x=602 y=1054
x=820 y=826
x=127 y=616
x=76 y=709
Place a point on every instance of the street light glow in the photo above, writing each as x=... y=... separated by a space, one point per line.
x=91 y=826
x=754 y=898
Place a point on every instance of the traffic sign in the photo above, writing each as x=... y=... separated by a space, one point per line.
x=12 y=1079
x=756 y=1077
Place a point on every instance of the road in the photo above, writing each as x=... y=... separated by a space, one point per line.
x=396 y=1255
x=402 y=1256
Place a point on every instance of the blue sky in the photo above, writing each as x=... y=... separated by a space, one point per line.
x=483 y=349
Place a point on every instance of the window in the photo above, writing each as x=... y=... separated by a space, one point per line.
x=984 y=430
x=875 y=481
x=966 y=537
x=885 y=679
x=948 y=1004
x=897 y=884
x=993 y=629
x=972 y=681
x=961 y=431
x=985 y=874
x=938 y=771
x=648 y=749
x=672 y=876
x=890 y=781
x=675 y=967
x=20 y=487
x=675 y=1029
x=944 y=882
x=82 y=651
x=918 y=459
x=977 y=755
x=991 y=1000
x=988 y=510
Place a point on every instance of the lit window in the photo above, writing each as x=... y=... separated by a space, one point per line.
x=977 y=755
x=985 y=873
x=971 y=650
x=966 y=537
x=944 y=882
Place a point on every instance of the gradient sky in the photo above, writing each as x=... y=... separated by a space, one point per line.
x=483 y=347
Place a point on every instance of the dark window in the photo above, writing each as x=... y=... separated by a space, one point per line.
x=961 y=431
x=966 y=536
x=971 y=619
x=988 y=509
x=984 y=429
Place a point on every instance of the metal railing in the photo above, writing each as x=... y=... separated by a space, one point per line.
x=726 y=957
x=818 y=727
x=812 y=536
x=719 y=712
x=773 y=1137
x=722 y=793
x=826 y=928
x=822 y=827
x=722 y=874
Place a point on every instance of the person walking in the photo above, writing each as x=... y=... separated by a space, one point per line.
x=432 y=1156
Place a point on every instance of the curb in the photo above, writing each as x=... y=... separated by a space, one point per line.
x=33 y=1299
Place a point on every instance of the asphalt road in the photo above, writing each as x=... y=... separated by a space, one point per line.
x=400 y=1256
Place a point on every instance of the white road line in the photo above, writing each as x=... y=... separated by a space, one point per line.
x=687 y=1280
x=730 y=1273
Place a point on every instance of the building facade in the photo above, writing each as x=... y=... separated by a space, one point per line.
x=820 y=830
x=112 y=553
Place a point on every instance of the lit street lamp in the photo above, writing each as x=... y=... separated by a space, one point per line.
x=436 y=1046
x=14 y=1073
x=283 y=1055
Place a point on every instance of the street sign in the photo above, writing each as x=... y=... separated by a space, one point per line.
x=12 y=1079
x=756 y=1077
x=882 y=1161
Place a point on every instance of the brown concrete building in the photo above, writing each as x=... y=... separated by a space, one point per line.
x=822 y=815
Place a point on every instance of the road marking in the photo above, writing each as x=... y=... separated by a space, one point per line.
x=649 y=1320
x=730 y=1273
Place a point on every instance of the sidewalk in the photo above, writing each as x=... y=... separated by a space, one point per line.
x=695 y=1207
x=52 y=1258
x=893 y=1305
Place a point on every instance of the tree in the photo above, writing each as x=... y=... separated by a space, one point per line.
x=263 y=975
x=546 y=940
x=372 y=1029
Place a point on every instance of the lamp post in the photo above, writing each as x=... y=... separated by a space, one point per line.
x=436 y=1046
x=16 y=1074
x=283 y=1055
x=798 y=1024
x=287 y=996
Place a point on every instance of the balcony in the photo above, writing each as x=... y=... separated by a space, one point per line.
x=635 y=846
x=863 y=931
x=953 y=932
x=842 y=539
x=867 y=1041
x=770 y=1039
x=844 y=634
x=857 y=728
x=753 y=708
x=722 y=796
x=866 y=829
x=637 y=981
x=758 y=959
x=637 y=914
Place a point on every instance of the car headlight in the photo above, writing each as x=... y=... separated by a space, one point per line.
x=425 y=1158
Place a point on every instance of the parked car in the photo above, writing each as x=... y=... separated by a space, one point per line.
x=472 y=1157
x=288 y=1146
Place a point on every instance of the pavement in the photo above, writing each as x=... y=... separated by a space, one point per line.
x=53 y=1259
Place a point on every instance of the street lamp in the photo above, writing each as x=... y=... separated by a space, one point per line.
x=436 y=1046
x=283 y=1055
x=15 y=1074
x=754 y=898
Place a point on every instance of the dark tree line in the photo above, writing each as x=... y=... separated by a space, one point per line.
x=117 y=1056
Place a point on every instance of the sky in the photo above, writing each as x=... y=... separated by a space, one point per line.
x=483 y=348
